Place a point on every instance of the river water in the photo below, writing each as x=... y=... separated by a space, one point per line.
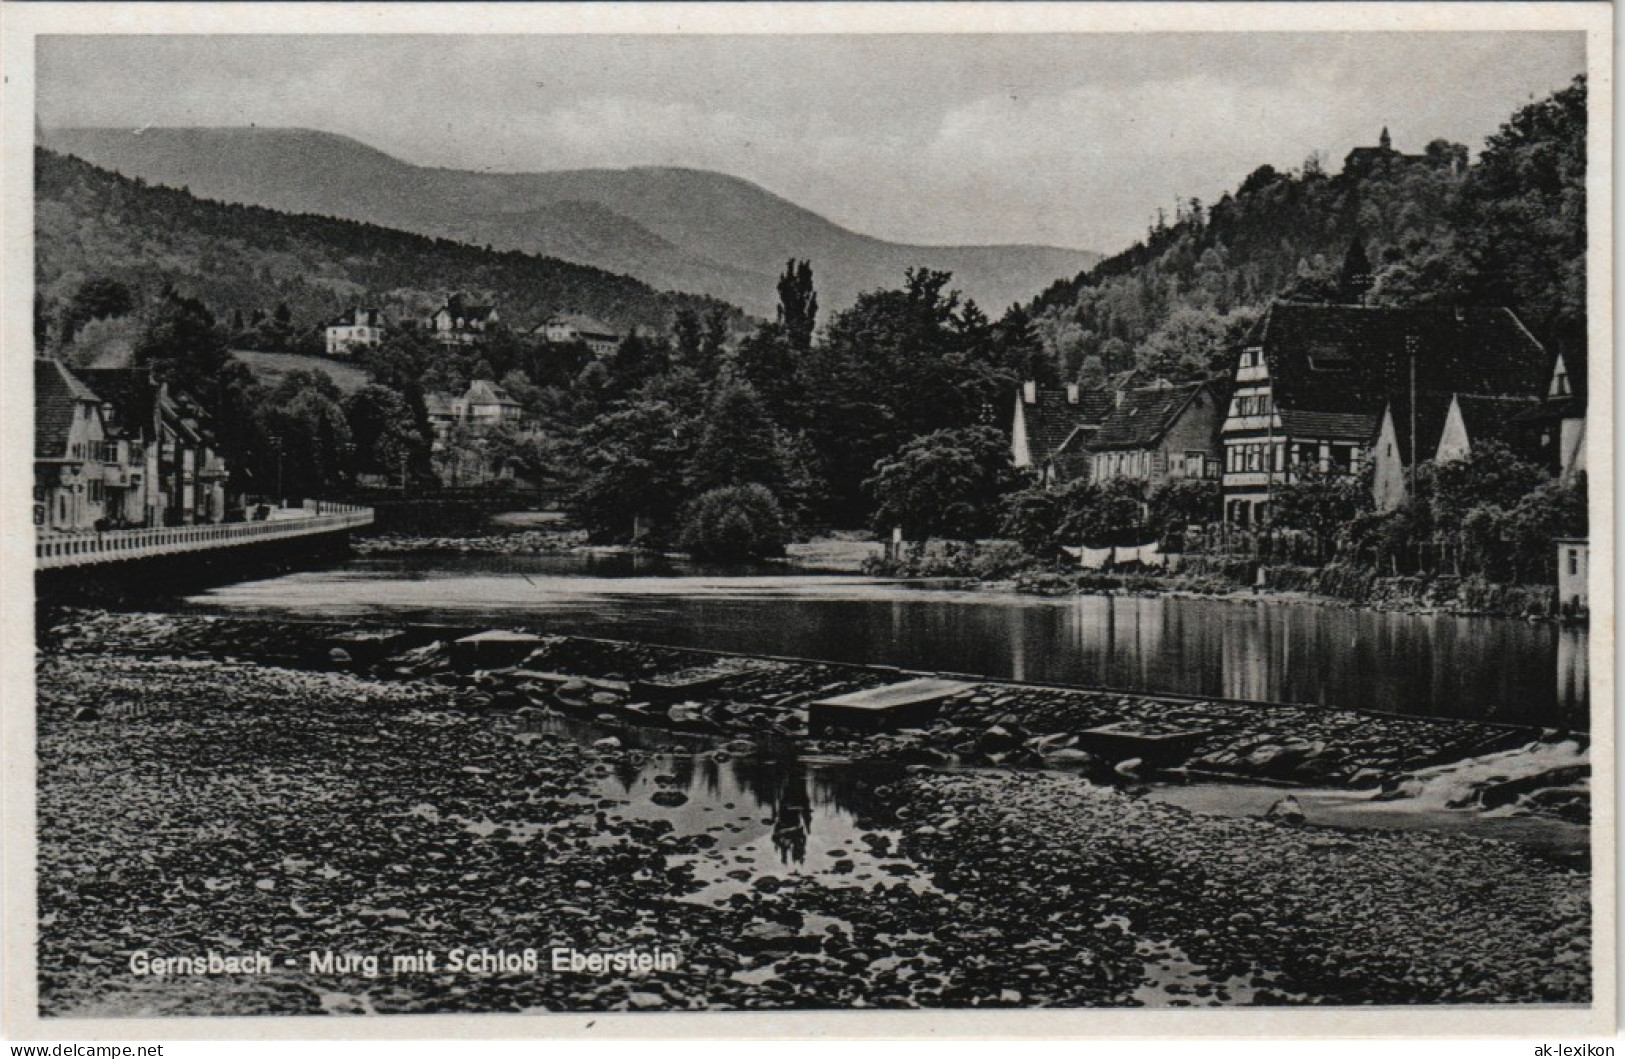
x=1267 y=649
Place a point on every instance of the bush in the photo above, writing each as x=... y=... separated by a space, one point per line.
x=1032 y=518
x=733 y=523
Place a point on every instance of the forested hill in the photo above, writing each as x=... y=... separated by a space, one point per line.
x=93 y=223
x=675 y=229
x=1392 y=227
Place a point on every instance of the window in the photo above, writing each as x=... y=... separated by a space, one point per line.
x=1194 y=461
x=1574 y=562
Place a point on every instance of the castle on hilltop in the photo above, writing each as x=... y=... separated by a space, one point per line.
x=1364 y=161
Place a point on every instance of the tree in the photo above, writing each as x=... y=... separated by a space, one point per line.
x=734 y=523
x=632 y=464
x=385 y=431
x=306 y=436
x=1524 y=215
x=1099 y=514
x=98 y=298
x=1021 y=353
x=767 y=362
x=638 y=359
x=180 y=342
x=1491 y=474
x=1181 y=502
x=1554 y=508
x=687 y=338
x=1032 y=518
x=739 y=443
x=888 y=370
x=1320 y=503
x=1354 y=279
x=798 y=304
x=1192 y=344
x=714 y=342
x=944 y=484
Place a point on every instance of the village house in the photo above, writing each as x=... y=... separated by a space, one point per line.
x=1053 y=428
x=565 y=328
x=175 y=477
x=133 y=411
x=70 y=451
x=1313 y=382
x=1160 y=433
x=462 y=323
x=189 y=461
x=460 y=423
x=358 y=329
x=1557 y=424
x=1573 y=572
x=443 y=415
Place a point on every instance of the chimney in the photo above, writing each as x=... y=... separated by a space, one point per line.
x=1029 y=392
x=1071 y=393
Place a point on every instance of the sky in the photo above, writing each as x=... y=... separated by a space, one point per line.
x=1062 y=139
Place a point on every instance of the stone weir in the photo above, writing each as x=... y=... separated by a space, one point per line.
x=811 y=707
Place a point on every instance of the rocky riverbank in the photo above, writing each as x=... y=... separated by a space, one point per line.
x=195 y=800
x=550 y=541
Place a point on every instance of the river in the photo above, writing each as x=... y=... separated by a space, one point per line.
x=1267 y=648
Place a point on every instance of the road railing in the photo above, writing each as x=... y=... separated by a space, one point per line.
x=59 y=550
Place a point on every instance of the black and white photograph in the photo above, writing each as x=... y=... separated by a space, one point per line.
x=1022 y=516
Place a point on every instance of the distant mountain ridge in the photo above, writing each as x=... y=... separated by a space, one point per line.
x=90 y=223
x=678 y=229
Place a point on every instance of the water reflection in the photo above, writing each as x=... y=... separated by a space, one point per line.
x=777 y=810
x=1489 y=668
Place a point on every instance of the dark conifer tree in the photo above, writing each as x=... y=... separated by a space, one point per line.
x=798 y=304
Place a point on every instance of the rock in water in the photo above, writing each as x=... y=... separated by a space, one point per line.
x=1286 y=811
x=339 y=656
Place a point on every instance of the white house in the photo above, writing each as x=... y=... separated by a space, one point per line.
x=357 y=329
x=565 y=328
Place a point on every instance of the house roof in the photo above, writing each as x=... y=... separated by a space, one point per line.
x=134 y=394
x=438 y=404
x=484 y=391
x=56 y=393
x=1333 y=426
x=466 y=312
x=360 y=317
x=1432 y=409
x=1573 y=406
x=582 y=324
x=1349 y=359
x=1143 y=416
x=1054 y=422
x=1498 y=419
